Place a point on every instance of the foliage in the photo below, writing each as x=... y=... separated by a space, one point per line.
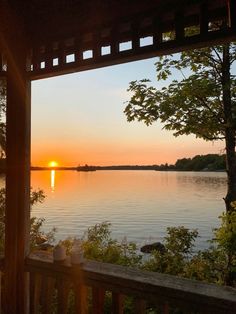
x=225 y=237
x=211 y=265
x=218 y=263
x=179 y=243
x=192 y=105
x=209 y=162
x=201 y=162
x=179 y=258
x=98 y=245
x=36 y=233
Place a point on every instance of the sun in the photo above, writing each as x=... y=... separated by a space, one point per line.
x=52 y=164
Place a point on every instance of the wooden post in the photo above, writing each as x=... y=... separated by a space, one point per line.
x=203 y=18
x=231 y=13
x=117 y=303
x=18 y=164
x=179 y=24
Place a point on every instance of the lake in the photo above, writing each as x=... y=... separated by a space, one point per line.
x=139 y=204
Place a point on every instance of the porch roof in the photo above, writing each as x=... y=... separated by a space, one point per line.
x=70 y=35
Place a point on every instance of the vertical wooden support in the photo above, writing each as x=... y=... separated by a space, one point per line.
x=0 y=292
x=157 y=36
x=1 y=62
x=179 y=24
x=139 y=306
x=61 y=55
x=232 y=13
x=114 y=41
x=81 y=303
x=165 y=308
x=135 y=36
x=63 y=288
x=35 y=292
x=17 y=185
x=98 y=300
x=203 y=18
x=17 y=165
x=117 y=303
x=48 y=290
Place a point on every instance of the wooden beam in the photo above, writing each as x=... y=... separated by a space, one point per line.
x=169 y=47
x=18 y=165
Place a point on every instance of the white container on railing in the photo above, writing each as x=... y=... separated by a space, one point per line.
x=59 y=253
x=77 y=253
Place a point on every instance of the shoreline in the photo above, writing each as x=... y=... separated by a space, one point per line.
x=117 y=168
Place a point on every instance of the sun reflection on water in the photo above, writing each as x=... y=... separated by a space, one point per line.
x=53 y=175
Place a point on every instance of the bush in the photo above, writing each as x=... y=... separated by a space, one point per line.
x=36 y=233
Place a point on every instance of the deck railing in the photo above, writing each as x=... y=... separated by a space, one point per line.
x=95 y=287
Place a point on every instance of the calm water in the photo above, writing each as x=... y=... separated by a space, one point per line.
x=139 y=204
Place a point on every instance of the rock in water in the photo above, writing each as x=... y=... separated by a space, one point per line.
x=156 y=246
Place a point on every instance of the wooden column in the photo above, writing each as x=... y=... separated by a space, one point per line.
x=232 y=13
x=18 y=170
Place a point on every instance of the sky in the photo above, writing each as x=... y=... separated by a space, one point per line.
x=78 y=119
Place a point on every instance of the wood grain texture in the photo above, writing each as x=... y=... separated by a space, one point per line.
x=156 y=288
x=18 y=117
x=140 y=306
x=117 y=303
x=98 y=299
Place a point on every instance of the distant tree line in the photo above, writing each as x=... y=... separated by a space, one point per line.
x=210 y=162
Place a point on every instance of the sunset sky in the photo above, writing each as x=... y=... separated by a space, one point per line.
x=78 y=119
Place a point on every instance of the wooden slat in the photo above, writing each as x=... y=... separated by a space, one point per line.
x=61 y=55
x=35 y=291
x=140 y=306
x=1 y=292
x=117 y=303
x=203 y=18
x=48 y=291
x=63 y=289
x=135 y=36
x=1 y=62
x=179 y=24
x=98 y=298
x=165 y=308
x=157 y=35
x=81 y=298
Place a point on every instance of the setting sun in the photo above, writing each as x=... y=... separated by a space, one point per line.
x=52 y=164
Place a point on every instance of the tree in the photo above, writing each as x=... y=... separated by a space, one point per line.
x=37 y=235
x=202 y=103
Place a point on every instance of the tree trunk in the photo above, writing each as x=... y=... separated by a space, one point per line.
x=230 y=154
x=229 y=131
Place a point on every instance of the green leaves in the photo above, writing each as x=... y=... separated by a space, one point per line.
x=193 y=105
x=142 y=105
x=36 y=232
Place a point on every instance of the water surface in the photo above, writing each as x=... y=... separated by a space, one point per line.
x=139 y=204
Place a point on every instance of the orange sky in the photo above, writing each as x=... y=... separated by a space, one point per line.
x=78 y=119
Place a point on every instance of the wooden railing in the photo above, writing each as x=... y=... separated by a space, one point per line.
x=95 y=287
